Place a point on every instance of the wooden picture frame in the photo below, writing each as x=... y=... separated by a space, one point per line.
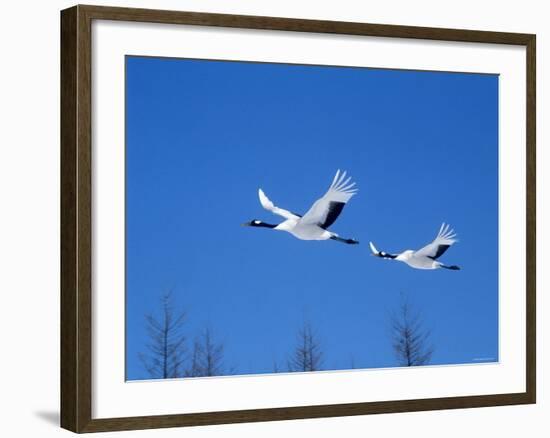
x=76 y=217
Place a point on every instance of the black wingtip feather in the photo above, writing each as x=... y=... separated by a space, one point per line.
x=334 y=210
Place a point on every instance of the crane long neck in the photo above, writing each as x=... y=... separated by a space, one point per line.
x=264 y=225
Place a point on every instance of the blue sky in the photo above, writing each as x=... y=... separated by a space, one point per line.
x=203 y=136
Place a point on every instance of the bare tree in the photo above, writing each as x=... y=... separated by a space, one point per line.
x=166 y=346
x=410 y=340
x=194 y=365
x=207 y=356
x=307 y=355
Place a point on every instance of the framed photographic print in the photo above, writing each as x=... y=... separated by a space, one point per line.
x=270 y=218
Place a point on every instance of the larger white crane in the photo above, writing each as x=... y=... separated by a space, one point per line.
x=315 y=223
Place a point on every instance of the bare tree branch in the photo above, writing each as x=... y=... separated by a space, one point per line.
x=307 y=355
x=410 y=341
x=166 y=347
x=207 y=357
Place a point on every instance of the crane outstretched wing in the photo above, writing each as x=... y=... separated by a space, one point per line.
x=382 y=254
x=327 y=209
x=269 y=206
x=445 y=238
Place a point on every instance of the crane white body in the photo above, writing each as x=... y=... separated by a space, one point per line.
x=304 y=231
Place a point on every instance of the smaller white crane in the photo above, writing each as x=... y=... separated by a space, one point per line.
x=425 y=258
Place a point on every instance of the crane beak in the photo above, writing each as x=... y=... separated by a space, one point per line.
x=245 y=224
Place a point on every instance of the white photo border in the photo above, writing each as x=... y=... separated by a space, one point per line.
x=112 y=396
